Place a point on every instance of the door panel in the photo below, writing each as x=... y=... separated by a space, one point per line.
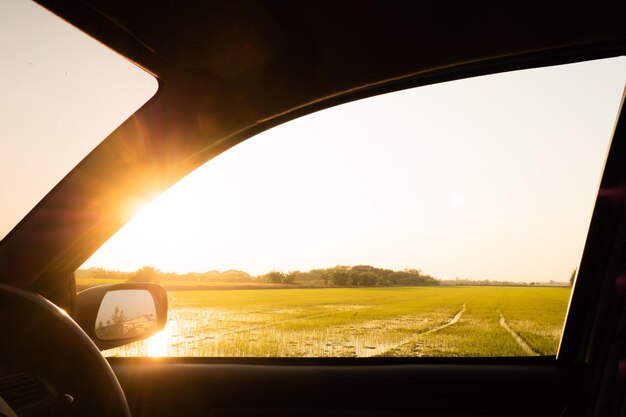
x=200 y=388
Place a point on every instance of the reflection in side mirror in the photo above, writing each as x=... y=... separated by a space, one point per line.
x=118 y=314
x=126 y=314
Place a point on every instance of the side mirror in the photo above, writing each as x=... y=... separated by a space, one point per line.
x=118 y=314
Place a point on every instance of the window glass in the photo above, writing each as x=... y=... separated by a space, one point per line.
x=62 y=93
x=445 y=220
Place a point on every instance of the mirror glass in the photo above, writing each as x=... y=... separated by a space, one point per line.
x=126 y=314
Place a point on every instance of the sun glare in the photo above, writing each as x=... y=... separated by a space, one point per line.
x=157 y=346
x=136 y=206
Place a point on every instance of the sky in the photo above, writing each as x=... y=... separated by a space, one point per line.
x=133 y=302
x=486 y=178
x=492 y=177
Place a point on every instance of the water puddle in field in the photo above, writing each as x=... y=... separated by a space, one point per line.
x=286 y=332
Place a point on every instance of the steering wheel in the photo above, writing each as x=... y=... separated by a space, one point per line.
x=44 y=345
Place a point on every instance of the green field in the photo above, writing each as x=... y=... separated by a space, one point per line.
x=363 y=322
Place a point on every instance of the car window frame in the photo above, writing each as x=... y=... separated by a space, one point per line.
x=573 y=348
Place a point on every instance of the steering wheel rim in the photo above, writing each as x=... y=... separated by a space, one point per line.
x=94 y=365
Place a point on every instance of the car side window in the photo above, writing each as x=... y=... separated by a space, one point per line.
x=445 y=220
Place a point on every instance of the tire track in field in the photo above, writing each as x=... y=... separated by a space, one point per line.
x=412 y=338
x=454 y=320
x=519 y=339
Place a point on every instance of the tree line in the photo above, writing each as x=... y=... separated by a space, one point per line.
x=353 y=276
x=151 y=274
x=338 y=276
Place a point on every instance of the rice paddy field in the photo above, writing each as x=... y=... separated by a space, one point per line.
x=360 y=322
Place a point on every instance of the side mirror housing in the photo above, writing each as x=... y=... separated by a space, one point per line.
x=118 y=314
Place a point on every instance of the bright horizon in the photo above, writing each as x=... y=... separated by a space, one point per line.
x=486 y=178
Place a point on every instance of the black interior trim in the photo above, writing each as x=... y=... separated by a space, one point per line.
x=336 y=361
x=189 y=389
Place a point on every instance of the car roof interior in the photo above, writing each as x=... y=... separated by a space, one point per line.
x=228 y=70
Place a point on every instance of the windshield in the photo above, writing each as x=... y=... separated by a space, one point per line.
x=62 y=94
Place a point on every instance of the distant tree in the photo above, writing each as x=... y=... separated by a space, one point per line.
x=146 y=274
x=339 y=277
x=290 y=277
x=324 y=276
x=275 y=277
x=572 y=277
x=369 y=276
x=116 y=329
x=118 y=316
x=368 y=279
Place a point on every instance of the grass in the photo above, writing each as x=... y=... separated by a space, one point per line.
x=349 y=322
